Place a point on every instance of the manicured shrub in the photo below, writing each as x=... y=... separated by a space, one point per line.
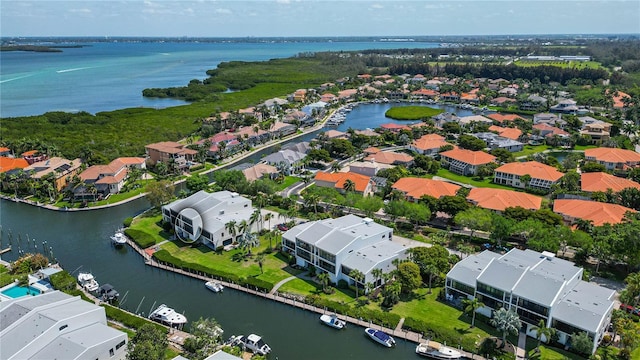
x=141 y=238
x=343 y=284
x=127 y=222
x=127 y=319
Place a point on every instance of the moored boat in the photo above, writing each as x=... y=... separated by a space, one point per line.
x=107 y=293
x=166 y=315
x=119 y=239
x=333 y=321
x=214 y=286
x=380 y=337
x=441 y=352
x=88 y=282
x=253 y=342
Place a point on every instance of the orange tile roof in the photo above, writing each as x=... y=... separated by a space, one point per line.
x=509 y=133
x=361 y=181
x=394 y=127
x=29 y=153
x=469 y=157
x=500 y=199
x=389 y=157
x=425 y=92
x=113 y=179
x=599 y=213
x=532 y=168
x=417 y=187
x=4 y=149
x=7 y=163
x=347 y=93
x=552 y=130
x=612 y=155
x=601 y=181
x=430 y=141
x=371 y=150
x=504 y=117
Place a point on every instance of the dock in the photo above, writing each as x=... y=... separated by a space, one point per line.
x=5 y=250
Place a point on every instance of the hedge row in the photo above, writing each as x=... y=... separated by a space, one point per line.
x=140 y=237
x=440 y=334
x=166 y=258
x=129 y=320
x=375 y=316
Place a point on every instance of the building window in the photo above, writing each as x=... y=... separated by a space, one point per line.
x=121 y=344
x=63 y=327
x=111 y=352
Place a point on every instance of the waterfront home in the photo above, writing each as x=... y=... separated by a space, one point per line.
x=500 y=118
x=467 y=120
x=506 y=132
x=61 y=169
x=299 y=95
x=465 y=162
x=597 y=132
x=495 y=141
x=500 y=199
x=603 y=182
x=166 y=151
x=204 y=217
x=598 y=213
x=424 y=94
x=428 y=144
x=362 y=184
x=502 y=101
x=339 y=246
x=347 y=94
x=5 y=151
x=536 y=286
x=275 y=103
x=280 y=129
x=258 y=171
x=415 y=188
x=542 y=176
x=367 y=168
x=8 y=163
x=612 y=158
x=108 y=179
x=55 y=325
x=335 y=134
x=394 y=128
x=34 y=156
x=547 y=130
x=390 y=158
x=328 y=98
x=287 y=161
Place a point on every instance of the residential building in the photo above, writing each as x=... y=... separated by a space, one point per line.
x=362 y=184
x=258 y=171
x=536 y=286
x=598 y=213
x=347 y=94
x=506 y=132
x=549 y=119
x=61 y=169
x=108 y=179
x=300 y=95
x=428 y=144
x=465 y=162
x=280 y=129
x=424 y=94
x=495 y=141
x=502 y=101
x=34 y=156
x=612 y=158
x=5 y=151
x=542 y=176
x=547 y=130
x=390 y=158
x=287 y=161
x=501 y=199
x=339 y=246
x=601 y=181
x=203 y=217
x=466 y=120
x=415 y=188
x=566 y=106
x=335 y=134
x=367 y=168
x=55 y=325
x=167 y=151
x=9 y=163
x=505 y=117
x=533 y=103
x=394 y=128
x=598 y=132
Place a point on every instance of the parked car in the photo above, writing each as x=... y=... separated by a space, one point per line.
x=282 y=227
x=630 y=309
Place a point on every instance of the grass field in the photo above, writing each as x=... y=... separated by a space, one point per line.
x=559 y=63
x=412 y=112
x=529 y=150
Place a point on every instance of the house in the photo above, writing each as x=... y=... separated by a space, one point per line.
x=347 y=94
x=509 y=92
x=500 y=199
x=598 y=213
x=495 y=141
x=465 y=162
x=34 y=156
x=300 y=95
x=9 y=163
x=275 y=103
x=500 y=118
x=335 y=134
x=287 y=161
x=328 y=98
x=601 y=181
x=167 y=151
x=502 y=101
x=258 y=171
x=506 y=132
x=466 y=120
x=598 y=132
x=542 y=176
x=619 y=98
x=428 y=144
x=533 y=103
x=55 y=325
x=5 y=151
x=204 y=217
x=424 y=94
x=280 y=129
x=547 y=130
x=339 y=246
x=109 y=179
x=414 y=188
x=394 y=128
x=549 y=119
x=362 y=184
x=612 y=158
x=443 y=118
x=61 y=169
x=566 y=106
x=367 y=168
x=536 y=286
x=390 y=158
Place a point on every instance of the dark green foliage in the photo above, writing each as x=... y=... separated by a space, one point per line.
x=141 y=238
x=149 y=343
x=591 y=166
x=441 y=333
x=412 y=112
x=127 y=221
x=471 y=143
x=63 y=281
x=129 y=320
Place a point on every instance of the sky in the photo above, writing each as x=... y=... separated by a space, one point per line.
x=293 y=18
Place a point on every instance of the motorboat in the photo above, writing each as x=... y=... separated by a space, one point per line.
x=333 y=321
x=214 y=286
x=442 y=352
x=107 y=293
x=166 y=315
x=88 y=282
x=380 y=337
x=253 y=342
x=119 y=239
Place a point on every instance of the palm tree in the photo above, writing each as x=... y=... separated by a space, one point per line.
x=633 y=286
x=507 y=322
x=470 y=306
x=267 y=217
x=260 y=261
x=432 y=270
x=256 y=217
x=377 y=275
x=311 y=199
x=543 y=331
x=243 y=227
x=349 y=185
x=231 y=228
x=357 y=277
x=324 y=280
x=248 y=241
x=335 y=166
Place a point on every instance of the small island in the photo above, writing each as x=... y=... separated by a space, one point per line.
x=37 y=48
x=412 y=112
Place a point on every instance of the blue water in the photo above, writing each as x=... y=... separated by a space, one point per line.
x=111 y=75
x=19 y=291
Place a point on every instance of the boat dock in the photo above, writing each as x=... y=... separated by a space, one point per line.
x=397 y=331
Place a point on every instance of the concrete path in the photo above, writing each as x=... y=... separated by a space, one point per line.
x=522 y=344
x=400 y=323
x=282 y=282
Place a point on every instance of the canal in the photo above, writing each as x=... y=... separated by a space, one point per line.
x=80 y=240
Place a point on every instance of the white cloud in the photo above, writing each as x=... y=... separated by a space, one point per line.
x=377 y=6
x=223 y=11
x=81 y=11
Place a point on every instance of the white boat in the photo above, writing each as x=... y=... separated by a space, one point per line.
x=442 y=352
x=119 y=238
x=88 y=282
x=252 y=342
x=166 y=315
x=380 y=337
x=333 y=321
x=214 y=286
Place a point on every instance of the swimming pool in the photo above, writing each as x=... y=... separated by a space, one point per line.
x=19 y=291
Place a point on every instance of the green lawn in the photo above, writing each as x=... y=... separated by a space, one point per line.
x=529 y=150
x=487 y=183
x=548 y=352
x=560 y=63
x=288 y=181
x=412 y=112
x=584 y=147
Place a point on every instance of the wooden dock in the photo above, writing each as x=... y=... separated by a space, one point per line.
x=292 y=300
x=5 y=250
